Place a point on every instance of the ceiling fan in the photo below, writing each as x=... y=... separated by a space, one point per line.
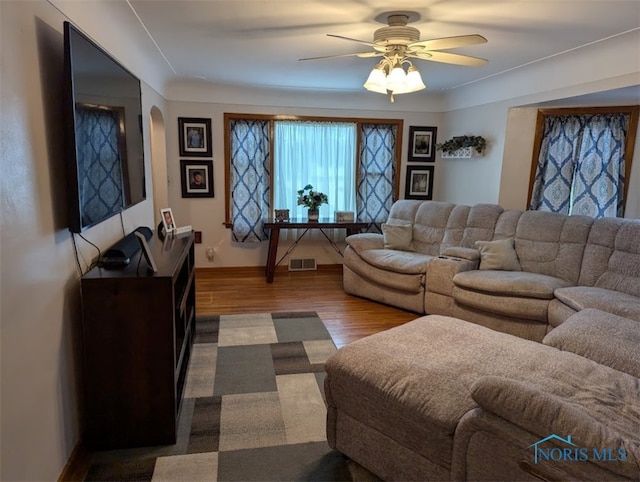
x=397 y=43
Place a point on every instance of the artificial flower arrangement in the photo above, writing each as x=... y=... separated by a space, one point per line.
x=452 y=145
x=311 y=199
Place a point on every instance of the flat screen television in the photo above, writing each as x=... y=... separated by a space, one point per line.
x=103 y=133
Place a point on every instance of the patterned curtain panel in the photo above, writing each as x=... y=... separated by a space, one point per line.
x=250 y=179
x=598 y=184
x=581 y=165
x=376 y=174
x=100 y=169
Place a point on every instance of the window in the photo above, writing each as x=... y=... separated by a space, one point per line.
x=269 y=158
x=322 y=154
x=582 y=159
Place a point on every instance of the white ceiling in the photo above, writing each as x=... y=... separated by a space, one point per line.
x=259 y=42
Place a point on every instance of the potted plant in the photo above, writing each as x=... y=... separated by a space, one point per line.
x=478 y=143
x=312 y=200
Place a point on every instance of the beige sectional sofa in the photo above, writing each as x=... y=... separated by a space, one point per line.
x=548 y=388
x=565 y=264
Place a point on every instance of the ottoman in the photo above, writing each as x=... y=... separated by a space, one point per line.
x=395 y=399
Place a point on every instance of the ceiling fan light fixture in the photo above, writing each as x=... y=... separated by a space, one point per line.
x=377 y=80
x=397 y=79
x=414 y=80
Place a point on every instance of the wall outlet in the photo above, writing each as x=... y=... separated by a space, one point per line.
x=197 y=237
x=209 y=253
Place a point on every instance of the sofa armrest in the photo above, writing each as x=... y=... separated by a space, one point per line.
x=441 y=271
x=364 y=241
x=470 y=254
x=544 y=413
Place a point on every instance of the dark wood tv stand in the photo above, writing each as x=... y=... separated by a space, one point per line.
x=138 y=330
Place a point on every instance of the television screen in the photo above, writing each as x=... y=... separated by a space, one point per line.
x=105 y=155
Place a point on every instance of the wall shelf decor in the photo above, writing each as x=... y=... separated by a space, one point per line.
x=463 y=147
x=462 y=153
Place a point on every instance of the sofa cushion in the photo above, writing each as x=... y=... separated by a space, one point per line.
x=397 y=282
x=602 y=337
x=513 y=307
x=397 y=261
x=582 y=297
x=510 y=283
x=498 y=255
x=612 y=256
x=552 y=243
x=397 y=234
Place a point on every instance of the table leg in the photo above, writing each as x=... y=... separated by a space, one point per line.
x=274 y=236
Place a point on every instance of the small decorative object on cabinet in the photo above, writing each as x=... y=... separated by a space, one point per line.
x=462 y=147
x=138 y=329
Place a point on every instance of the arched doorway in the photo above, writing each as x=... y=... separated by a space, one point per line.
x=158 y=162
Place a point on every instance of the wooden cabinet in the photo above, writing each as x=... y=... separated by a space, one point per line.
x=138 y=330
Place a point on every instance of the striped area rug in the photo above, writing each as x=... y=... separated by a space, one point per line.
x=253 y=407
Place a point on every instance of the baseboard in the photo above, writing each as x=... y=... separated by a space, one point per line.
x=78 y=464
x=259 y=270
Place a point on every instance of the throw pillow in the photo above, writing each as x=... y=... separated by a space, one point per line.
x=498 y=255
x=397 y=235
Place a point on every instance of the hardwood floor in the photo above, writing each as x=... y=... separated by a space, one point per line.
x=244 y=290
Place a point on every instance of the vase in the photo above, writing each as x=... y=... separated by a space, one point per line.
x=312 y=215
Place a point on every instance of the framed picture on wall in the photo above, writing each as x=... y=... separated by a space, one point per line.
x=422 y=144
x=196 y=178
x=419 y=183
x=194 y=135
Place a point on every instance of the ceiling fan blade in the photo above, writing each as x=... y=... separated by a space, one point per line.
x=362 y=55
x=445 y=43
x=449 y=58
x=370 y=44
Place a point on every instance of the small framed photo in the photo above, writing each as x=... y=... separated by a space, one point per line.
x=168 y=221
x=281 y=215
x=422 y=144
x=194 y=135
x=197 y=178
x=419 y=183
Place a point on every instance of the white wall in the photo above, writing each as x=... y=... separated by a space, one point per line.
x=39 y=290
x=474 y=180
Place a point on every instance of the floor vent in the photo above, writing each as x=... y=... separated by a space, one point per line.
x=302 y=264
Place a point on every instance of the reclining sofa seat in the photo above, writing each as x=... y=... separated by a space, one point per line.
x=397 y=276
x=550 y=248
x=608 y=276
